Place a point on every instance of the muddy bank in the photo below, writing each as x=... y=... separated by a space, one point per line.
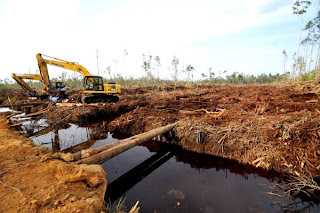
x=273 y=127
x=270 y=127
x=33 y=180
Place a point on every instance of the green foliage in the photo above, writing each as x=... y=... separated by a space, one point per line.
x=8 y=84
x=309 y=76
x=300 y=7
x=239 y=78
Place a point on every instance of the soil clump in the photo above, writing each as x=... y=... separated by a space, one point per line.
x=34 y=180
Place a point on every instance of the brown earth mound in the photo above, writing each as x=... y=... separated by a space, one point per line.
x=33 y=180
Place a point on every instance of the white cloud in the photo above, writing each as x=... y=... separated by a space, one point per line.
x=73 y=31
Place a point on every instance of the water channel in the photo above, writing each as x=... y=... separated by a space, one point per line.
x=166 y=178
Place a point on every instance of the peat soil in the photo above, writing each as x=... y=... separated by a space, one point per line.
x=273 y=127
x=34 y=180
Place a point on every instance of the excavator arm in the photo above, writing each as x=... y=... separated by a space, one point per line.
x=20 y=80
x=94 y=90
x=42 y=63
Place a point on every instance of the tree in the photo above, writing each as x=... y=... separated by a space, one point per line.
x=313 y=28
x=174 y=64
x=125 y=55
x=299 y=8
x=285 y=58
x=204 y=75
x=157 y=65
x=189 y=70
x=108 y=70
x=146 y=65
x=63 y=77
x=211 y=74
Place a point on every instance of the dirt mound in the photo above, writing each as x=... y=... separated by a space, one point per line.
x=33 y=180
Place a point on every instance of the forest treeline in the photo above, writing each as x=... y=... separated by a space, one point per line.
x=234 y=78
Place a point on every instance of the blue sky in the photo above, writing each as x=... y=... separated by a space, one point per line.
x=247 y=36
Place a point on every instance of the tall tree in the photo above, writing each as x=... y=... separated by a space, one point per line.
x=108 y=70
x=146 y=65
x=190 y=69
x=125 y=56
x=299 y=8
x=157 y=65
x=211 y=74
x=285 y=58
x=174 y=64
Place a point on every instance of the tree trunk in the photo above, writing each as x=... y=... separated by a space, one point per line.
x=298 y=52
x=110 y=150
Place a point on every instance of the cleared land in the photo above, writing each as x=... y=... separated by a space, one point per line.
x=272 y=127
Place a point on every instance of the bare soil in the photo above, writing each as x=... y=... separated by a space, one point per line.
x=33 y=180
x=272 y=127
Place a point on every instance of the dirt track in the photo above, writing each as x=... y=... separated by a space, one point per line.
x=271 y=127
x=33 y=180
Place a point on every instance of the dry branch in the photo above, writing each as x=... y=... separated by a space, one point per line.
x=219 y=113
x=36 y=113
x=213 y=114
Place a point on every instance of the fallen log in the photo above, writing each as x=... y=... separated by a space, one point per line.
x=108 y=151
x=66 y=104
x=36 y=113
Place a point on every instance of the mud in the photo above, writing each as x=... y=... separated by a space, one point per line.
x=34 y=180
x=273 y=127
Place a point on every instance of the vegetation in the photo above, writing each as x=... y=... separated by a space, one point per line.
x=75 y=83
x=306 y=63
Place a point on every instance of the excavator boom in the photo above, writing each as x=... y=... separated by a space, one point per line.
x=59 y=63
x=20 y=80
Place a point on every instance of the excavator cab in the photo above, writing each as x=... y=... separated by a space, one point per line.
x=93 y=83
x=57 y=85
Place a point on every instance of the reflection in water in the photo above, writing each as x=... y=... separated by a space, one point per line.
x=155 y=173
x=207 y=183
x=124 y=183
x=66 y=137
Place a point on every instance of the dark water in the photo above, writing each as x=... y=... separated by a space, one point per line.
x=166 y=178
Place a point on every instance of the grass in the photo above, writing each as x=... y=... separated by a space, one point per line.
x=116 y=208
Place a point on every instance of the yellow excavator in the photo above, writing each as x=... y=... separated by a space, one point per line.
x=20 y=80
x=56 y=88
x=94 y=90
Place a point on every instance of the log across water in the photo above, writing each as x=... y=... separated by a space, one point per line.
x=108 y=151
